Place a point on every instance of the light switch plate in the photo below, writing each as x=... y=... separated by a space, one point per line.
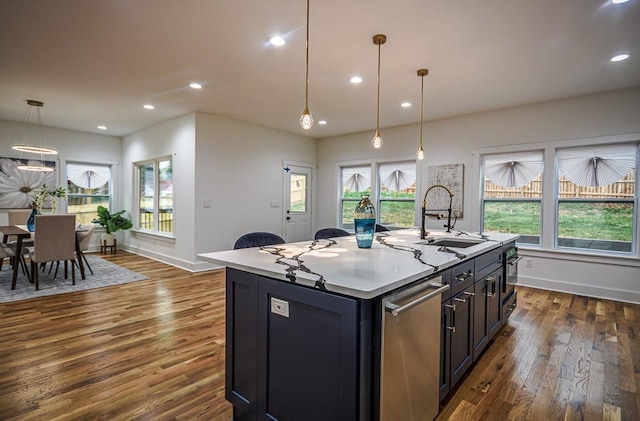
x=279 y=307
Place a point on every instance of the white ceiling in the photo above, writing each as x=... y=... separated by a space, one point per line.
x=97 y=62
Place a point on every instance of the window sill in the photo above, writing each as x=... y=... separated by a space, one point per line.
x=580 y=256
x=169 y=238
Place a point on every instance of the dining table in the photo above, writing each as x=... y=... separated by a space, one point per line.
x=21 y=233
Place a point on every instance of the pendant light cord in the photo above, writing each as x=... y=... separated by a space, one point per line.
x=378 y=107
x=421 y=107
x=306 y=93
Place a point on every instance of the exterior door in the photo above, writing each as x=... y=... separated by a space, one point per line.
x=297 y=203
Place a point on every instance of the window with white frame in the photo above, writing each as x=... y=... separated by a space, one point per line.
x=397 y=194
x=511 y=194
x=355 y=183
x=88 y=186
x=596 y=196
x=155 y=195
x=393 y=192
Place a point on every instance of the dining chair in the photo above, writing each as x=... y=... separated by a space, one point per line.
x=55 y=240
x=323 y=233
x=257 y=239
x=18 y=216
x=84 y=234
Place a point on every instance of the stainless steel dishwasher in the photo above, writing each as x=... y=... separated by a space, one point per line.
x=411 y=352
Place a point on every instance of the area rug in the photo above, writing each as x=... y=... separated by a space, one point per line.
x=105 y=274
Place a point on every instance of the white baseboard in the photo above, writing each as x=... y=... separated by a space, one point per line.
x=198 y=266
x=581 y=289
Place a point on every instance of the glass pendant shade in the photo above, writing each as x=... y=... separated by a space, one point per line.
x=420 y=153
x=377 y=140
x=306 y=119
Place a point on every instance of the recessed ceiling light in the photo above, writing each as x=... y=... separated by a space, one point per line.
x=102 y=127
x=322 y=122
x=148 y=107
x=405 y=104
x=620 y=57
x=277 y=41
x=195 y=85
x=356 y=79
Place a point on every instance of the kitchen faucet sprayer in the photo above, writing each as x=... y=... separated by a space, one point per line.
x=448 y=225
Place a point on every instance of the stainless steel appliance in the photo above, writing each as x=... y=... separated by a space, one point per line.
x=411 y=352
x=509 y=293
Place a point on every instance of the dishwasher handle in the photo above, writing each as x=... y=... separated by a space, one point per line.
x=397 y=310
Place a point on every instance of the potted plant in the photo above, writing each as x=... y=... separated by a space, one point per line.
x=112 y=222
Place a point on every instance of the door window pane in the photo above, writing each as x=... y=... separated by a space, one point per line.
x=298 y=193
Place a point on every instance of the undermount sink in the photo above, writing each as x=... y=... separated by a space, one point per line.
x=449 y=242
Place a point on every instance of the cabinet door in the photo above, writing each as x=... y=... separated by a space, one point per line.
x=241 y=357
x=480 y=328
x=494 y=303
x=308 y=354
x=462 y=336
x=446 y=327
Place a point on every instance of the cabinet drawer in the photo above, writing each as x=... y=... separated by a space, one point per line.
x=462 y=276
x=488 y=262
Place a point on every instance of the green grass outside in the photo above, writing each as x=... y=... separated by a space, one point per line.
x=610 y=221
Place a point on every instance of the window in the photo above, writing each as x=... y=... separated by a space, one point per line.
x=155 y=195
x=393 y=192
x=397 y=194
x=596 y=197
x=355 y=182
x=88 y=186
x=512 y=194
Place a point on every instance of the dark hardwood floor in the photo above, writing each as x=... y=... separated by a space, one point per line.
x=154 y=350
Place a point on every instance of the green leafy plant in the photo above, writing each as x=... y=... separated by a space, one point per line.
x=43 y=194
x=112 y=222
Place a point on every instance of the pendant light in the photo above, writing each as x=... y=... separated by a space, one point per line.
x=377 y=139
x=41 y=149
x=422 y=73
x=306 y=119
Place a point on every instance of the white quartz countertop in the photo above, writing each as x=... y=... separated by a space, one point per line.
x=395 y=259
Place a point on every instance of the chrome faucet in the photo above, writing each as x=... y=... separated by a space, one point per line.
x=448 y=225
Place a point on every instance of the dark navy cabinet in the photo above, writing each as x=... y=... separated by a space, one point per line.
x=293 y=352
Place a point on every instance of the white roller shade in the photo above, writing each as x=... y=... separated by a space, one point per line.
x=88 y=176
x=597 y=165
x=398 y=176
x=513 y=169
x=356 y=178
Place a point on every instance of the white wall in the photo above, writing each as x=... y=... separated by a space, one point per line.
x=235 y=165
x=175 y=138
x=71 y=145
x=239 y=167
x=451 y=141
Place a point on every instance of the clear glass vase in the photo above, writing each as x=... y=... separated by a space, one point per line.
x=365 y=223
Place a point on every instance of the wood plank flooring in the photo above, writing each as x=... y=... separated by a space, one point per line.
x=154 y=350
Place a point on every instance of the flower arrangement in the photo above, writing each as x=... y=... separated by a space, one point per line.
x=43 y=194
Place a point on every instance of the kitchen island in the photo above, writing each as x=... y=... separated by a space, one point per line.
x=304 y=334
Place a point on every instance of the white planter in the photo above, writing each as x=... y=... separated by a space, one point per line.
x=107 y=239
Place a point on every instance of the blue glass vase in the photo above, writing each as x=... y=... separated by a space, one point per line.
x=31 y=222
x=365 y=223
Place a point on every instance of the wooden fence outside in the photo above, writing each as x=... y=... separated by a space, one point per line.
x=623 y=189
